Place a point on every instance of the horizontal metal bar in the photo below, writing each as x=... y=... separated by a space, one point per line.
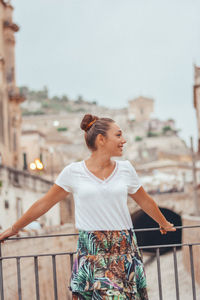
x=157 y=228
x=36 y=255
x=168 y=246
x=39 y=236
x=74 y=234
x=69 y=253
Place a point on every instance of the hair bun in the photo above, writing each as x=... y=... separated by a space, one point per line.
x=87 y=119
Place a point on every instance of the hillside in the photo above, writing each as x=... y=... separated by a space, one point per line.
x=40 y=103
x=58 y=119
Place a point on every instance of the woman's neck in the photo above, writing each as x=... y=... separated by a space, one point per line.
x=100 y=161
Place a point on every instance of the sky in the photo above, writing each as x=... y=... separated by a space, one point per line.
x=113 y=51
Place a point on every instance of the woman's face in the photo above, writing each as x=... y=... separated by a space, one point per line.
x=113 y=143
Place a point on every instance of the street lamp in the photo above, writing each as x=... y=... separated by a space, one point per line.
x=36 y=165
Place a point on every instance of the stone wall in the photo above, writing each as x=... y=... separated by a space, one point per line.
x=47 y=245
x=18 y=191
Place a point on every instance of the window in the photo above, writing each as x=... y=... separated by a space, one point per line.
x=6 y=204
x=25 y=167
x=19 y=207
x=14 y=141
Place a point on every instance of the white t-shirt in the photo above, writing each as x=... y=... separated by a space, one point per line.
x=100 y=204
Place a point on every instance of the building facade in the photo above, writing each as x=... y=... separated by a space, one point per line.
x=197 y=99
x=10 y=98
x=141 y=108
x=18 y=191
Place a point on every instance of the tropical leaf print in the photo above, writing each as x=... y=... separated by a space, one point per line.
x=108 y=265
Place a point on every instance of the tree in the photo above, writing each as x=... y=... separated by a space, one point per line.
x=138 y=138
x=166 y=129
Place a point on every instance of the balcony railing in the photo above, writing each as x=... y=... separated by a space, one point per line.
x=53 y=256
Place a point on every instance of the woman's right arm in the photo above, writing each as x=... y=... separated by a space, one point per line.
x=40 y=207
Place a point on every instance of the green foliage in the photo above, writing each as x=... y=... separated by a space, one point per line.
x=69 y=108
x=1 y=183
x=55 y=98
x=81 y=109
x=166 y=128
x=34 y=95
x=38 y=112
x=33 y=113
x=79 y=100
x=62 y=129
x=138 y=138
x=23 y=90
x=45 y=105
x=152 y=134
x=64 y=98
x=51 y=105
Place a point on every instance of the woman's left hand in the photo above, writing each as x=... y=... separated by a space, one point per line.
x=167 y=227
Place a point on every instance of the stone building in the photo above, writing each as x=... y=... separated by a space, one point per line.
x=18 y=191
x=62 y=134
x=10 y=98
x=197 y=99
x=33 y=147
x=141 y=108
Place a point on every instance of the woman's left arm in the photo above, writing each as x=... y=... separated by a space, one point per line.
x=149 y=206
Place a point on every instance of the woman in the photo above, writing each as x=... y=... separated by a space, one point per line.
x=108 y=263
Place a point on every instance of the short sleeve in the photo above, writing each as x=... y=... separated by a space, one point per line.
x=65 y=179
x=134 y=182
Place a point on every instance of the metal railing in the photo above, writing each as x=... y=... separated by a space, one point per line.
x=71 y=254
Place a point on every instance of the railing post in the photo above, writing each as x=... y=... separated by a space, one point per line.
x=36 y=278
x=19 y=279
x=176 y=273
x=71 y=260
x=54 y=277
x=159 y=273
x=1 y=275
x=192 y=272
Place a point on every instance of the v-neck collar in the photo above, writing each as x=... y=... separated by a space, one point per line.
x=97 y=178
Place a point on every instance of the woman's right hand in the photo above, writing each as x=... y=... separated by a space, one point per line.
x=167 y=227
x=7 y=233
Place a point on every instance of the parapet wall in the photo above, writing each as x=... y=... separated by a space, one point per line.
x=18 y=191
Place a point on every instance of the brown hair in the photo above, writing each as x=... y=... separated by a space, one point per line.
x=93 y=125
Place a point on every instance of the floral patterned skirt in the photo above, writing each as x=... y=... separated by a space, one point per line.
x=108 y=265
